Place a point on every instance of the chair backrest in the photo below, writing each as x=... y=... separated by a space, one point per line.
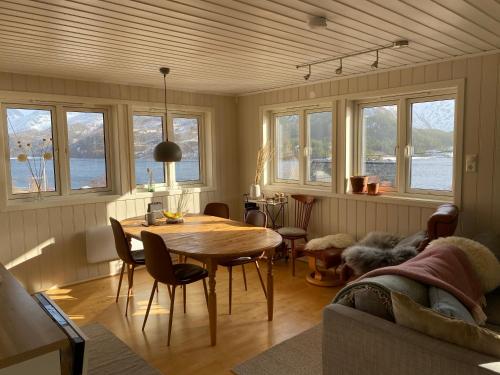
x=121 y=243
x=158 y=261
x=303 y=208
x=443 y=222
x=257 y=218
x=217 y=209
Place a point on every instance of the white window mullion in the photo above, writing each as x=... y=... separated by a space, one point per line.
x=303 y=148
x=403 y=140
x=169 y=167
x=61 y=151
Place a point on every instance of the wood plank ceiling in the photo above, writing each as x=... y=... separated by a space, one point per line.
x=233 y=46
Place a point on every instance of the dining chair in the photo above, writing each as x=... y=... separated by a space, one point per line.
x=129 y=258
x=258 y=219
x=303 y=207
x=217 y=209
x=160 y=266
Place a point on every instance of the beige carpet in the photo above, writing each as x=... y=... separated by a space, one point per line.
x=300 y=355
x=108 y=355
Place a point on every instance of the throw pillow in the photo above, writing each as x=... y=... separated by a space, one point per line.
x=411 y=315
x=445 y=303
x=340 y=241
x=482 y=260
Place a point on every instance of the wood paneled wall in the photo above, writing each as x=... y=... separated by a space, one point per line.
x=47 y=245
x=480 y=208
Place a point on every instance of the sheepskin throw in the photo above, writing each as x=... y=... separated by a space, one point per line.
x=340 y=241
x=378 y=250
x=482 y=260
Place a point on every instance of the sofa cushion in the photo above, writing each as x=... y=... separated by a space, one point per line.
x=373 y=295
x=445 y=303
x=292 y=231
x=410 y=314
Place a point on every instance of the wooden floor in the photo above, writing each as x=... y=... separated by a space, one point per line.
x=242 y=335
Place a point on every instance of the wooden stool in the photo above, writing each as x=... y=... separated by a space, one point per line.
x=329 y=273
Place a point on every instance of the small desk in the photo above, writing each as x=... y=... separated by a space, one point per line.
x=273 y=214
x=209 y=238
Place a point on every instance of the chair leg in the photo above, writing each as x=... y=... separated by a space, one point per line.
x=293 y=257
x=244 y=276
x=184 y=287
x=120 y=282
x=171 y=314
x=205 y=290
x=230 y=269
x=130 y=274
x=169 y=291
x=260 y=278
x=155 y=287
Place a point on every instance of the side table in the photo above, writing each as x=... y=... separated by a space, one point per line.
x=329 y=272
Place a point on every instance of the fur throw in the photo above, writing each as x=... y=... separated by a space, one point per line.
x=377 y=250
x=340 y=241
x=482 y=260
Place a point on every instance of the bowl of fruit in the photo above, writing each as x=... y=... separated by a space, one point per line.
x=173 y=217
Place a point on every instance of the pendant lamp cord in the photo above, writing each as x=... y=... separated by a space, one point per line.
x=165 y=99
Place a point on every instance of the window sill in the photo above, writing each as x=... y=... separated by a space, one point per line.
x=143 y=193
x=387 y=197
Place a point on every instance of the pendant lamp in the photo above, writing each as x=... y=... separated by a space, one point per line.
x=166 y=151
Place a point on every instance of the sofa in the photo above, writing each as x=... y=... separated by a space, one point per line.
x=360 y=335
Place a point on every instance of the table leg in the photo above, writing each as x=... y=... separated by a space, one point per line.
x=270 y=284
x=212 y=300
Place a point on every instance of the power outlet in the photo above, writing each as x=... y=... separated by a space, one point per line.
x=471 y=163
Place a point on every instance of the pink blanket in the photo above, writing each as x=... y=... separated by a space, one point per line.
x=447 y=268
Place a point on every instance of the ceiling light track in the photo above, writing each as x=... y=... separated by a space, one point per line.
x=394 y=45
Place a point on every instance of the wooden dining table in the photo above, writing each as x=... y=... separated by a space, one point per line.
x=210 y=239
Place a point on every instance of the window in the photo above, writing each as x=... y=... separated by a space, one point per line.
x=87 y=150
x=148 y=132
x=319 y=146
x=287 y=147
x=41 y=161
x=186 y=130
x=31 y=149
x=379 y=130
x=187 y=136
x=432 y=129
x=408 y=144
x=303 y=147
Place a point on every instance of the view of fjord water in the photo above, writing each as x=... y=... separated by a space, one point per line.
x=91 y=172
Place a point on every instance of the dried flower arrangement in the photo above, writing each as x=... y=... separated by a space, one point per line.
x=35 y=158
x=263 y=155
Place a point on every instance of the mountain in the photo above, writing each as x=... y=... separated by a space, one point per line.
x=86 y=133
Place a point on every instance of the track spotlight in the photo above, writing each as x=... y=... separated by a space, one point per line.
x=308 y=75
x=375 y=63
x=394 y=45
x=399 y=44
x=339 y=69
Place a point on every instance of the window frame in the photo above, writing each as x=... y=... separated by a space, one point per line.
x=358 y=136
x=201 y=146
x=107 y=150
x=302 y=112
x=205 y=141
x=55 y=146
x=60 y=149
x=408 y=135
x=133 y=177
x=404 y=101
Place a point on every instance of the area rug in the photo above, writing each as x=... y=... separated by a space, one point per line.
x=108 y=355
x=300 y=355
